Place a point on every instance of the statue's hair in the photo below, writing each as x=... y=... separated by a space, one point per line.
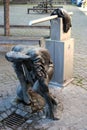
x=62 y=13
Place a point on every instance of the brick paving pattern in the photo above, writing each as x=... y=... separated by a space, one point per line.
x=7 y=77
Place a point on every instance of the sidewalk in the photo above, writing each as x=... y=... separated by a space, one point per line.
x=72 y=100
x=84 y=10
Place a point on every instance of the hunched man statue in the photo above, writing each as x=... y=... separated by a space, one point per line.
x=34 y=68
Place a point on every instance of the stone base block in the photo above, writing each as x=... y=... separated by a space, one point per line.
x=62 y=55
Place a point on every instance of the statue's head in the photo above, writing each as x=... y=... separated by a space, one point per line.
x=17 y=54
x=62 y=13
x=14 y=56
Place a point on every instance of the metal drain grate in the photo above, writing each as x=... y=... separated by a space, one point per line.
x=14 y=121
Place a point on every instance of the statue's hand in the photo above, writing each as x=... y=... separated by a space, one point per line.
x=13 y=56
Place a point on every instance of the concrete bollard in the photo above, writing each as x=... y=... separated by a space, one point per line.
x=61 y=48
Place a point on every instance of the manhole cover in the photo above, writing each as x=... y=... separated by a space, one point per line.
x=14 y=121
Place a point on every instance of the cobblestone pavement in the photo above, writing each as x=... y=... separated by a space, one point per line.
x=72 y=109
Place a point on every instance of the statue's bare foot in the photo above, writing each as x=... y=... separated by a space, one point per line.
x=26 y=99
x=23 y=96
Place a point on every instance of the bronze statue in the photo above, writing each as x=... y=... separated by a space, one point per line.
x=34 y=68
x=62 y=13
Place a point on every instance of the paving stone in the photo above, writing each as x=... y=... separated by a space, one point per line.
x=28 y=109
x=4 y=115
x=0 y=124
x=24 y=113
x=13 y=109
x=2 y=128
x=8 y=112
x=20 y=112
x=29 y=121
x=7 y=105
x=20 y=128
x=2 y=108
x=14 y=104
x=29 y=115
x=8 y=128
x=1 y=118
x=21 y=106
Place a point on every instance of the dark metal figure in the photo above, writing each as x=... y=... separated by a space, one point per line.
x=34 y=68
x=62 y=13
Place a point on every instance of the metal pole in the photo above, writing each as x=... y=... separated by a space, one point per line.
x=42 y=19
x=6 y=18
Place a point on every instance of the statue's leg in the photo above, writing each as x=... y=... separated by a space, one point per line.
x=19 y=93
x=50 y=72
x=24 y=87
x=42 y=89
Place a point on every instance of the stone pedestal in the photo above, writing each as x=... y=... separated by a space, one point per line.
x=56 y=32
x=61 y=48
